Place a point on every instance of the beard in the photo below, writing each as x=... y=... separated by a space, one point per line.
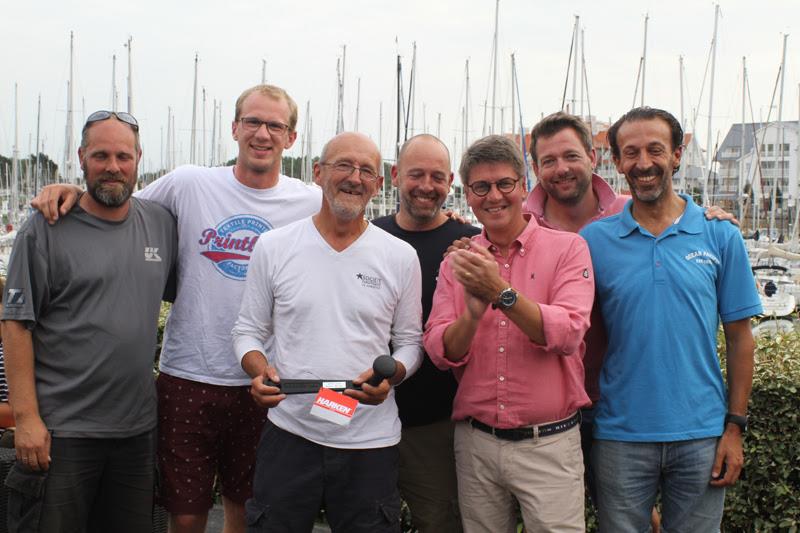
x=573 y=197
x=109 y=190
x=343 y=205
x=654 y=190
x=418 y=212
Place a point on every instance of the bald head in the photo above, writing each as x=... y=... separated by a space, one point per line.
x=349 y=173
x=348 y=141
x=426 y=142
x=423 y=178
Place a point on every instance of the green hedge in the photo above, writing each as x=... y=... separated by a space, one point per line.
x=768 y=499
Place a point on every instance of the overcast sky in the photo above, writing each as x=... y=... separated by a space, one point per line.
x=302 y=40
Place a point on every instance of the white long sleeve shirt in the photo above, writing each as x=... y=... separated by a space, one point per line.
x=322 y=314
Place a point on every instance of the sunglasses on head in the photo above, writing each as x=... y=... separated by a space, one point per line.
x=127 y=118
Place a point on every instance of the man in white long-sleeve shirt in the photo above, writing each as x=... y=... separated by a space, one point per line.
x=328 y=294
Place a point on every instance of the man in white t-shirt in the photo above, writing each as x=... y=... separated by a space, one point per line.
x=208 y=426
x=327 y=295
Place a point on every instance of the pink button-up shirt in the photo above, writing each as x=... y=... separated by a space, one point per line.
x=505 y=379
x=608 y=203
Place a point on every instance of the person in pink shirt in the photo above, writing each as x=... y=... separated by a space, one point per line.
x=509 y=316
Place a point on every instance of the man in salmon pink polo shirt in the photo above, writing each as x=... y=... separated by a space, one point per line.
x=509 y=316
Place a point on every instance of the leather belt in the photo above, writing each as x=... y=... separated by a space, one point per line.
x=529 y=432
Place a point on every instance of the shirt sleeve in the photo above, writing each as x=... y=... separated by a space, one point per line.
x=444 y=311
x=163 y=191
x=27 y=290
x=565 y=317
x=253 y=326
x=737 y=295
x=407 y=321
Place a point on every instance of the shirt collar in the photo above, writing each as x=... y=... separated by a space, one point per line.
x=522 y=239
x=602 y=190
x=691 y=221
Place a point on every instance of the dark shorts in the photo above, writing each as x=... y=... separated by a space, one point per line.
x=296 y=477
x=205 y=431
x=93 y=485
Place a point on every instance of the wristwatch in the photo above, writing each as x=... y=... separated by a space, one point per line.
x=739 y=420
x=506 y=299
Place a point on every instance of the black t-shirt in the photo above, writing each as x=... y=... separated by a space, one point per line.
x=427 y=396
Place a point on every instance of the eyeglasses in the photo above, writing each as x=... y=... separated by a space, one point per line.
x=345 y=170
x=482 y=188
x=127 y=118
x=252 y=124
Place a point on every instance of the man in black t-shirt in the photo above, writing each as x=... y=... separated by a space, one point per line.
x=427 y=466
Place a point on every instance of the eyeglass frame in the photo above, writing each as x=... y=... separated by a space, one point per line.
x=496 y=186
x=362 y=171
x=284 y=128
x=122 y=116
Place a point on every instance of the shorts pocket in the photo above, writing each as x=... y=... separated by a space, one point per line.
x=256 y=516
x=25 y=498
x=389 y=509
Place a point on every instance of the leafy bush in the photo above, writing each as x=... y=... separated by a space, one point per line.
x=768 y=499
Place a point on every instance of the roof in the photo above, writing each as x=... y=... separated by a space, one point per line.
x=734 y=138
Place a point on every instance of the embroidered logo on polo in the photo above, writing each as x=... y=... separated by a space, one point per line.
x=370 y=282
x=702 y=257
x=230 y=244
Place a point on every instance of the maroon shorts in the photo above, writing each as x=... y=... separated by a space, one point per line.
x=205 y=431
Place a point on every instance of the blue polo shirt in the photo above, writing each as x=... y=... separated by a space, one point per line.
x=662 y=299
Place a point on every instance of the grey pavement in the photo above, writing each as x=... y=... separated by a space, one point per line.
x=215 y=522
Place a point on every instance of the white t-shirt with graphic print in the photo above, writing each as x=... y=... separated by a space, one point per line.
x=219 y=221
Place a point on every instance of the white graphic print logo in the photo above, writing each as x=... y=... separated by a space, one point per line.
x=151 y=254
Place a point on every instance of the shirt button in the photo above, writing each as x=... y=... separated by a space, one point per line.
x=507 y=265
x=522 y=251
x=658 y=263
x=502 y=406
x=501 y=350
x=503 y=323
x=502 y=378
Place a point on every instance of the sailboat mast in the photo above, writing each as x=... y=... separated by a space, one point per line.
x=412 y=91
x=741 y=140
x=13 y=203
x=130 y=75
x=114 y=82
x=494 y=63
x=513 y=97
x=644 y=57
x=399 y=111
x=466 y=109
x=213 y=131
x=709 y=146
x=263 y=71
x=576 y=37
x=358 y=103
x=38 y=170
x=68 y=162
x=203 y=131
x=583 y=70
x=340 y=70
x=193 y=143
x=781 y=130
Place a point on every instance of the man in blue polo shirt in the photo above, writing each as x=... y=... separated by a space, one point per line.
x=665 y=277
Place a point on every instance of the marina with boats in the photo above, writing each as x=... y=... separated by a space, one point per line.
x=748 y=165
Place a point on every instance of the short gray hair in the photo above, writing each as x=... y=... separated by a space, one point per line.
x=491 y=149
